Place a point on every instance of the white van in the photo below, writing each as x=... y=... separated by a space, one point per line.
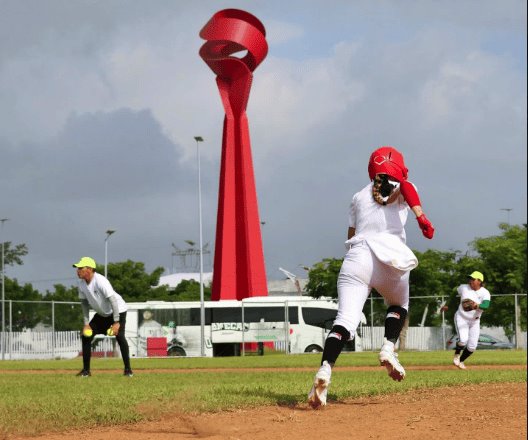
x=293 y=324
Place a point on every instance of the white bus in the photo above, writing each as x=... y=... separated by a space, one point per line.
x=292 y=324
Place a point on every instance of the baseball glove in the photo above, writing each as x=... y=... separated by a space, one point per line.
x=469 y=304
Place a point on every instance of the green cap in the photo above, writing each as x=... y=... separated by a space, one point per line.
x=86 y=262
x=477 y=276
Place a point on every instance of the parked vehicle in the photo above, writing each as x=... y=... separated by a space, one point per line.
x=485 y=342
x=294 y=324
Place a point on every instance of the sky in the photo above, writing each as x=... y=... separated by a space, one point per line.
x=100 y=102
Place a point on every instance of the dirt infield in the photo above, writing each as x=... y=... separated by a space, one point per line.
x=489 y=411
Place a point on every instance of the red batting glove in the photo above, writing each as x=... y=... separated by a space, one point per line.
x=425 y=226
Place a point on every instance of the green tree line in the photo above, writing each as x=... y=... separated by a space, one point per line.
x=130 y=279
x=502 y=259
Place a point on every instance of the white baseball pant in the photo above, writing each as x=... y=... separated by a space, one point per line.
x=361 y=271
x=468 y=331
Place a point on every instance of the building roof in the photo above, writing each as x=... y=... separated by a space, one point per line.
x=174 y=279
x=275 y=287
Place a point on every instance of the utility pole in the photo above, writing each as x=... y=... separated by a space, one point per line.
x=508 y=210
x=3 y=220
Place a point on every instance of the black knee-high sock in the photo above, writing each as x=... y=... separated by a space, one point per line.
x=123 y=346
x=334 y=344
x=394 y=321
x=465 y=354
x=87 y=351
x=459 y=348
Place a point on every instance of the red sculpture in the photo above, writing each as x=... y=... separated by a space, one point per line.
x=239 y=270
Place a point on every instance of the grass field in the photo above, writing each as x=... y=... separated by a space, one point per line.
x=42 y=396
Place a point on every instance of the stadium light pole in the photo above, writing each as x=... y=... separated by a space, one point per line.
x=199 y=139
x=108 y=234
x=3 y=220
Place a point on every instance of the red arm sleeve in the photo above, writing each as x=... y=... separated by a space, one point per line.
x=408 y=191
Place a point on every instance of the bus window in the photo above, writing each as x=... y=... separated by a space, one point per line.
x=293 y=313
x=178 y=316
x=234 y=314
x=270 y=314
x=318 y=317
x=227 y=314
x=194 y=315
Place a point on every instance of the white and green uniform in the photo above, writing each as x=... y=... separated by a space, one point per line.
x=468 y=322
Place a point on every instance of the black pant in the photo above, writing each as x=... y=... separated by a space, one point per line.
x=100 y=324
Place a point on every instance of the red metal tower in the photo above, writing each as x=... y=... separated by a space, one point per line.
x=239 y=270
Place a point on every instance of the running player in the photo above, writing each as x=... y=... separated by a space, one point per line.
x=474 y=299
x=377 y=258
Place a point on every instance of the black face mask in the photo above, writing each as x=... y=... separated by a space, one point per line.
x=385 y=187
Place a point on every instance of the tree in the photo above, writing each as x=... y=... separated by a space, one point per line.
x=13 y=255
x=322 y=278
x=134 y=284
x=504 y=259
x=433 y=277
x=189 y=290
x=25 y=314
x=67 y=316
x=503 y=262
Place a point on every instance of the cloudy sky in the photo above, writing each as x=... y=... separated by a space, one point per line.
x=100 y=102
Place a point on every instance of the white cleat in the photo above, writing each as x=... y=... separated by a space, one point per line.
x=461 y=366
x=456 y=360
x=390 y=361
x=319 y=391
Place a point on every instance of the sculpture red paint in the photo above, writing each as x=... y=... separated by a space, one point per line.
x=239 y=270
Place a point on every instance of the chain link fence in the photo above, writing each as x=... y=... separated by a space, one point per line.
x=51 y=329
x=432 y=325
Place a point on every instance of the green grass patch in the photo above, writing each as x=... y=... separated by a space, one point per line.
x=481 y=357
x=56 y=401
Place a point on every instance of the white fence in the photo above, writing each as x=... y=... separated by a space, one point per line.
x=67 y=344
x=418 y=338
x=50 y=345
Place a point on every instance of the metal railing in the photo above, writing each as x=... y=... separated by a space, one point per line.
x=48 y=342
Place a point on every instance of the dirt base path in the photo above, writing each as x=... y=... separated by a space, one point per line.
x=490 y=411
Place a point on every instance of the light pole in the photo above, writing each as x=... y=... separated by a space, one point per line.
x=3 y=220
x=262 y=224
x=199 y=139
x=508 y=210
x=108 y=234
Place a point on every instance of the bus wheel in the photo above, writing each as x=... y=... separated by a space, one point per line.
x=313 y=349
x=176 y=351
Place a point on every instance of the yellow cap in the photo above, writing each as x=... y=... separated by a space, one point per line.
x=477 y=276
x=86 y=262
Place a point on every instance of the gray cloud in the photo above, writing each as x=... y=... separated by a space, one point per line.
x=109 y=95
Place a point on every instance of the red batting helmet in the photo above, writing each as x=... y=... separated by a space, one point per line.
x=387 y=160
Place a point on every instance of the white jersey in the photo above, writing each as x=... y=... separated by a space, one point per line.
x=382 y=228
x=466 y=292
x=97 y=294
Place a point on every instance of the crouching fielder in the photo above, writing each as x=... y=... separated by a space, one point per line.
x=474 y=298
x=377 y=258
